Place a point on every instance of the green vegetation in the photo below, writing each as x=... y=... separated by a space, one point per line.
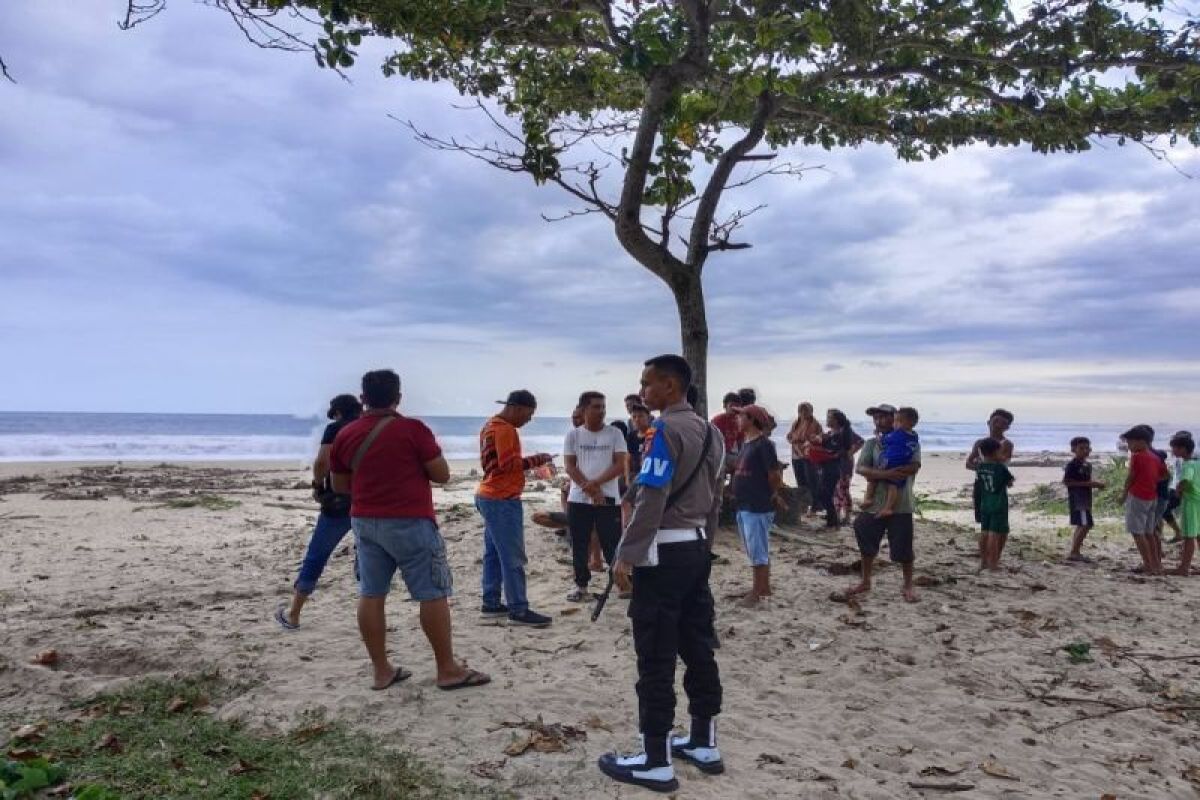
x=924 y=502
x=1046 y=498
x=157 y=739
x=208 y=502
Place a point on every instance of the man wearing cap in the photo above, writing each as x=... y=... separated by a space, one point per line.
x=499 y=502
x=664 y=557
x=869 y=529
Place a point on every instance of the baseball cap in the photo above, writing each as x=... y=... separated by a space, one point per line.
x=882 y=408
x=1141 y=433
x=520 y=397
x=757 y=413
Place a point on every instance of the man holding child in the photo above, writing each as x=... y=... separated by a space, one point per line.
x=869 y=527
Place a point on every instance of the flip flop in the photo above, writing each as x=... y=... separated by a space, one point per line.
x=400 y=674
x=281 y=618
x=472 y=678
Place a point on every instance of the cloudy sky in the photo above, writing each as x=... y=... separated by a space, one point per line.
x=188 y=223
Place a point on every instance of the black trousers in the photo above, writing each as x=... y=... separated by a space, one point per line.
x=672 y=613
x=831 y=473
x=582 y=518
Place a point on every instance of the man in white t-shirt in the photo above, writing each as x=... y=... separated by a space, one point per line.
x=594 y=457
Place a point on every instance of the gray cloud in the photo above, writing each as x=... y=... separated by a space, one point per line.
x=177 y=166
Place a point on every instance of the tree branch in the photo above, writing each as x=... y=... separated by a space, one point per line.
x=697 y=248
x=138 y=12
x=630 y=232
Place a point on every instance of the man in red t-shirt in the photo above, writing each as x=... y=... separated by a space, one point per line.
x=727 y=423
x=1141 y=495
x=385 y=462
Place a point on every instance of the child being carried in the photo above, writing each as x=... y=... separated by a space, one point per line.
x=897 y=448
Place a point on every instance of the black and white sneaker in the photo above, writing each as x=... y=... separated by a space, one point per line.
x=632 y=769
x=530 y=619
x=706 y=759
x=489 y=612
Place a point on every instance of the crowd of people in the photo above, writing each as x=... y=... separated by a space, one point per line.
x=642 y=501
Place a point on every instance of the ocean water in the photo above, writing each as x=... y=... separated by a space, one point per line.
x=36 y=436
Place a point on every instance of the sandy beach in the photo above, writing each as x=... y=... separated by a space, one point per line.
x=134 y=570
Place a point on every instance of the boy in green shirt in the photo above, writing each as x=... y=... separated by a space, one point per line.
x=992 y=480
x=1189 y=501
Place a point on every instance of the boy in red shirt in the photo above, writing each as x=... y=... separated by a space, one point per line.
x=1141 y=495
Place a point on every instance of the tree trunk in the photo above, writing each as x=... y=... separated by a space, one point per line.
x=693 y=331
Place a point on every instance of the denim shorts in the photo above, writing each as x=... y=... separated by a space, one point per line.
x=410 y=544
x=755 y=529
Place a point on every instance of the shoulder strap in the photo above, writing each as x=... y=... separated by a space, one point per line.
x=367 y=442
x=675 y=495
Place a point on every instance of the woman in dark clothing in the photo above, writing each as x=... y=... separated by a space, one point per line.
x=333 y=523
x=841 y=497
x=836 y=442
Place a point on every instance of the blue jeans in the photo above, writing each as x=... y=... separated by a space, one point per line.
x=503 y=553
x=326 y=536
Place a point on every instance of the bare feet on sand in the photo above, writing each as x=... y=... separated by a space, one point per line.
x=909 y=594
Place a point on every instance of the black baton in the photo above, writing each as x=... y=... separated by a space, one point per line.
x=602 y=599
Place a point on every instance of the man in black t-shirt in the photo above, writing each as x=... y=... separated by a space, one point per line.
x=756 y=478
x=333 y=523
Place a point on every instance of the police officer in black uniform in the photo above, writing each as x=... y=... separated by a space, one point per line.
x=664 y=554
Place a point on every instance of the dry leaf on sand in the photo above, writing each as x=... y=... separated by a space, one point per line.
x=997 y=771
x=934 y=771
x=47 y=658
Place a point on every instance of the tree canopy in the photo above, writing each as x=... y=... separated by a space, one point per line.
x=647 y=111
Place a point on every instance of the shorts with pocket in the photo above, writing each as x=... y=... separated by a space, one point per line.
x=412 y=545
x=1141 y=516
x=994 y=521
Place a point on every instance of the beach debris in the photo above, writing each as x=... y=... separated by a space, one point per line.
x=109 y=742
x=488 y=769
x=23 y=753
x=850 y=763
x=996 y=770
x=1173 y=692
x=942 y=787
x=935 y=771
x=1192 y=774
x=596 y=723
x=310 y=732
x=243 y=767
x=30 y=733
x=47 y=658
x=541 y=737
x=1079 y=652
x=767 y=758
